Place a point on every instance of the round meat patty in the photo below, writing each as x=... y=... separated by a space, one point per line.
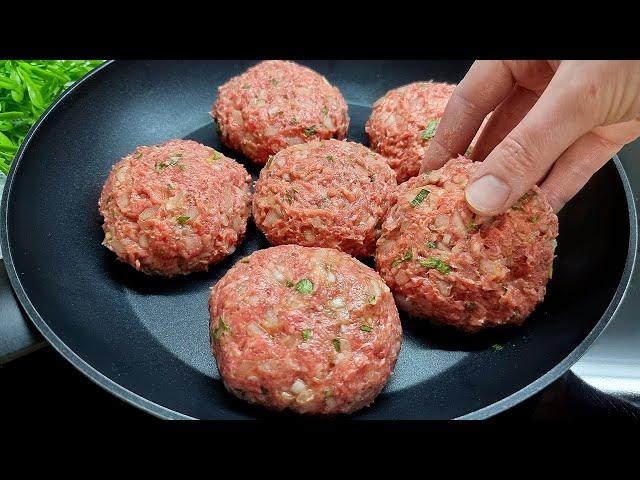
x=329 y=193
x=308 y=329
x=276 y=104
x=403 y=122
x=175 y=208
x=448 y=264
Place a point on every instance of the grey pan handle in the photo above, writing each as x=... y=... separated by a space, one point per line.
x=18 y=336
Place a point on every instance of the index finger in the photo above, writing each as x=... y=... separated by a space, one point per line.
x=486 y=84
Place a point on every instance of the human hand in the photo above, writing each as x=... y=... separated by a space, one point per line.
x=554 y=123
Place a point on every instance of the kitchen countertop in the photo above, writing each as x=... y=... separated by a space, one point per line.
x=604 y=382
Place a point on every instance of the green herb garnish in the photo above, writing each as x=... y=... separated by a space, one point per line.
x=497 y=347
x=472 y=227
x=269 y=161
x=533 y=218
x=304 y=286
x=137 y=155
x=422 y=194
x=288 y=283
x=306 y=334
x=325 y=111
x=431 y=245
x=436 y=263
x=330 y=158
x=182 y=219
x=289 y=196
x=336 y=344
x=293 y=121
x=27 y=88
x=221 y=329
x=430 y=131
x=371 y=300
x=408 y=255
x=274 y=81
x=309 y=131
x=216 y=156
x=365 y=327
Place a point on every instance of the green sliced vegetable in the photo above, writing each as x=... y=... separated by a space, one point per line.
x=27 y=88
x=430 y=131
x=436 y=263
x=408 y=255
x=221 y=329
x=422 y=194
x=304 y=286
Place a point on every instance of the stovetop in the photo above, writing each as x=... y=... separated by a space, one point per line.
x=605 y=382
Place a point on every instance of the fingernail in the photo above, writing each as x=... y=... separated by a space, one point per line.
x=487 y=194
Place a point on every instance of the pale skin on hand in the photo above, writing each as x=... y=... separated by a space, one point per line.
x=554 y=124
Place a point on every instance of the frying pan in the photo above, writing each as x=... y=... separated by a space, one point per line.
x=145 y=339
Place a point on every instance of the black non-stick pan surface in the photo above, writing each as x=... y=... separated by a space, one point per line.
x=145 y=339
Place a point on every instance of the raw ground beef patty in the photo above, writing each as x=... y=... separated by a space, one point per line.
x=308 y=329
x=403 y=122
x=275 y=104
x=452 y=266
x=329 y=193
x=175 y=208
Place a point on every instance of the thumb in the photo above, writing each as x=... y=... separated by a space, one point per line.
x=559 y=117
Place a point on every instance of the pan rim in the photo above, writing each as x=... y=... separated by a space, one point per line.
x=160 y=411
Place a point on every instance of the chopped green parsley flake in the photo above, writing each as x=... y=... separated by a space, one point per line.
x=497 y=347
x=304 y=286
x=182 y=219
x=431 y=245
x=138 y=155
x=365 y=327
x=472 y=227
x=269 y=161
x=330 y=158
x=408 y=255
x=430 y=131
x=309 y=131
x=371 y=300
x=306 y=334
x=422 y=194
x=534 y=218
x=436 y=263
x=293 y=121
x=221 y=329
x=336 y=344
x=288 y=283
